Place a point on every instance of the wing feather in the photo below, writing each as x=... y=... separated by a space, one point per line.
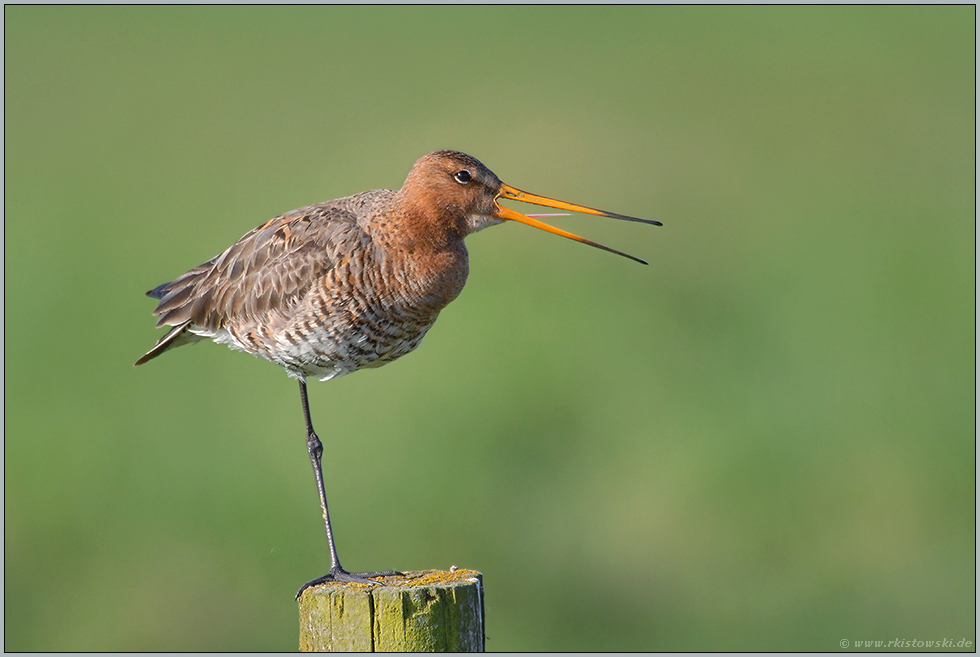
x=269 y=270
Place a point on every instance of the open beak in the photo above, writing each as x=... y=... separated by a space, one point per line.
x=506 y=191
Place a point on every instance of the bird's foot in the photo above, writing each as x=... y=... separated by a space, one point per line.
x=341 y=575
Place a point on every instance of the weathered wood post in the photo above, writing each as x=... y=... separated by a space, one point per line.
x=420 y=611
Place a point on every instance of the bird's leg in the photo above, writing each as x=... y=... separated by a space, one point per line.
x=315 y=448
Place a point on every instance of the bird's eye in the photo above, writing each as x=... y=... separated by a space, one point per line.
x=463 y=177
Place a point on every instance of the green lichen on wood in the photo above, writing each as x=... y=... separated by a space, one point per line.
x=345 y=613
x=422 y=611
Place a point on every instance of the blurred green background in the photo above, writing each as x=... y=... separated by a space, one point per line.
x=762 y=441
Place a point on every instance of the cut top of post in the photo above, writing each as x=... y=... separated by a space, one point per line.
x=420 y=611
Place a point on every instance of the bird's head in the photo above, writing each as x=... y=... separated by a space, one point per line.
x=459 y=190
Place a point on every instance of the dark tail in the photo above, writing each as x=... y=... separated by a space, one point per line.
x=174 y=311
x=175 y=337
x=159 y=291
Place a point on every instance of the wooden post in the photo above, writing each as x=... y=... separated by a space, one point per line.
x=420 y=611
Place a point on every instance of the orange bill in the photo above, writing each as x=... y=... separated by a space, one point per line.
x=506 y=191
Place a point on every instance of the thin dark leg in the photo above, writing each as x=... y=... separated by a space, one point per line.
x=315 y=448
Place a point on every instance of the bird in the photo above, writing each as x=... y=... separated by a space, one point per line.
x=348 y=284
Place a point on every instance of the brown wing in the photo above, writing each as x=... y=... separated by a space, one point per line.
x=270 y=269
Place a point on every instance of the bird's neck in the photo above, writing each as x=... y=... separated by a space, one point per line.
x=424 y=252
x=423 y=229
